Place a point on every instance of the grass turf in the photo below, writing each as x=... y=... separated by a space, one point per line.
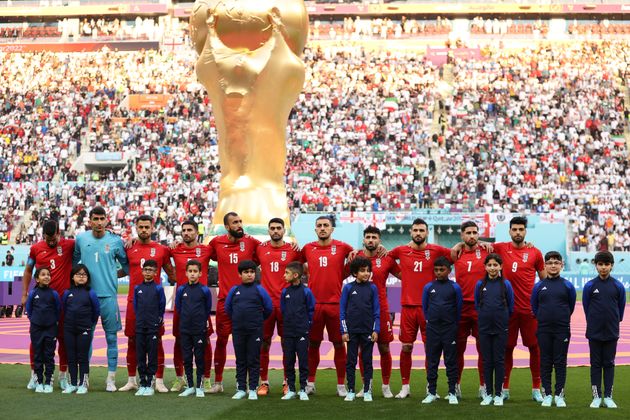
x=18 y=402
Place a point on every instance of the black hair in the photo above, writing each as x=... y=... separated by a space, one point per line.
x=518 y=220
x=553 y=255
x=442 y=262
x=358 y=263
x=246 y=265
x=467 y=224
x=420 y=221
x=227 y=216
x=605 y=257
x=194 y=263
x=39 y=271
x=192 y=223
x=330 y=218
x=296 y=267
x=150 y=263
x=97 y=211
x=75 y=270
x=144 y=218
x=495 y=257
x=50 y=227
x=372 y=229
x=276 y=220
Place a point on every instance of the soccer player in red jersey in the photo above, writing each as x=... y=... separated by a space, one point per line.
x=142 y=250
x=228 y=250
x=190 y=249
x=325 y=258
x=55 y=253
x=416 y=263
x=382 y=267
x=273 y=260
x=521 y=263
x=469 y=269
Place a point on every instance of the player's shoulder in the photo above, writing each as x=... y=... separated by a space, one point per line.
x=341 y=243
x=309 y=246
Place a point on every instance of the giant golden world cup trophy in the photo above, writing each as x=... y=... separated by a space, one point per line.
x=249 y=62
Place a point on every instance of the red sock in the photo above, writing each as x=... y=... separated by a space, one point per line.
x=386 y=367
x=313 y=361
x=405 y=367
x=132 y=361
x=177 y=358
x=31 y=356
x=482 y=380
x=509 y=362
x=220 y=355
x=340 y=364
x=534 y=365
x=160 y=370
x=207 y=360
x=264 y=363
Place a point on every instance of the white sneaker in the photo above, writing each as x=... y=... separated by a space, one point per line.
x=188 y=392
x=608 y=402
x=253 y=395
x=216 y=388
x=560 y=402
x=239 y=395
x=458 y=390
x=82 y=390
x=63 y=380
x=341 y=390
x=547 y=401
x=179 y=384
x=597 y=402
x=505 y=394
x=132 y=384
x=360 y=393
x=487 y=400
x=148 y=392
x=452 y=399
x=349 y=396
x=404 y=392
x=48 y=389
x=367 y=397
x=387 y=391
x=110 y=382
x=537 y=395
x=482 y=392
x=498 y=400
x=69 y=389
x=310 y=388
x=430 y=398
x=140 y=392
x=200 y=393
x=32 y=383
x=303 y=396
x=289 y=395
x=159 y=385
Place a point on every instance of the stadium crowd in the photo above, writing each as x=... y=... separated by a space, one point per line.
x=520 y=134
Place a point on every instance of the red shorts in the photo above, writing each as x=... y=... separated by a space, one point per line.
x=176 y=325
x=525 y=323
x=468 y=324
x=270 y=323
x=326 y=315
x=412 y=319
x=386 y=335
x=130 y=322
x=224 y=323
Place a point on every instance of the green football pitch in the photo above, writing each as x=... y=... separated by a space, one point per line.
x=18 y=402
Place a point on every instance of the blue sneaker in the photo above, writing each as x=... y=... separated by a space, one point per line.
x=82 y=390
x=289 y=395
x=140 y=392
x=32 y=383
x=239 y=395
x=39 y=388
x=63 y=382
x=537 y=395
x=69 y=389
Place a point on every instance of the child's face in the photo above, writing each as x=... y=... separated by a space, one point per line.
x=290 y=276
x=193 y=274
x=363 y=274
x=441 y=272
x=553 y=267
x=44 y=278
x=604 y=269
x=80 y=278
x=248 y=276
x=493 y=268
x=148 y=273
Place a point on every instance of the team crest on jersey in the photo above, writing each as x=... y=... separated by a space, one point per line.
x=478 y=254
x=333 y=249
x=153 y=252
x=427 y=254
x=59 y=250
x=107 y=248
x=242 y=246
x=378 y=262
x=283 y=256
x=525 y=256
x=198 y=252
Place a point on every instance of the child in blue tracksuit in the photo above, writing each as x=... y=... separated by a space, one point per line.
x=360 y=316
x=553 y=301
x=604 y=300
x=247 y=305
x=442 y=306
x=193 y=303
x=43 y=307
x=494 y=302
x=297 y=305
x=149 y=303
x=81 y=309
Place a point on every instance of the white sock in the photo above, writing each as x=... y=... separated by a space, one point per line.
x=310 y=384
x=341 y=386
x=265 y=382
x=405 y=387
x=111 y=376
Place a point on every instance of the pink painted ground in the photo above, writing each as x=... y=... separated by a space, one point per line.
x=14 y=340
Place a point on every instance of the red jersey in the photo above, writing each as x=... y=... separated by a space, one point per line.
x=326 y=269
x=382 y=267
x=137 y=255
x=228 y=254
x=520 y=266
x=273 y=261
x=416 y=270
x=469 y=269
x=183 y=253
x=58 y=259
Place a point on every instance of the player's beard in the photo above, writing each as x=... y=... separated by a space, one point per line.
x=472 y=243
x=276 y=237
x=418 y=241
x=323 y=238
x=518 y=240
x=238 y=234
x=188 y=240
x=371 y=248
